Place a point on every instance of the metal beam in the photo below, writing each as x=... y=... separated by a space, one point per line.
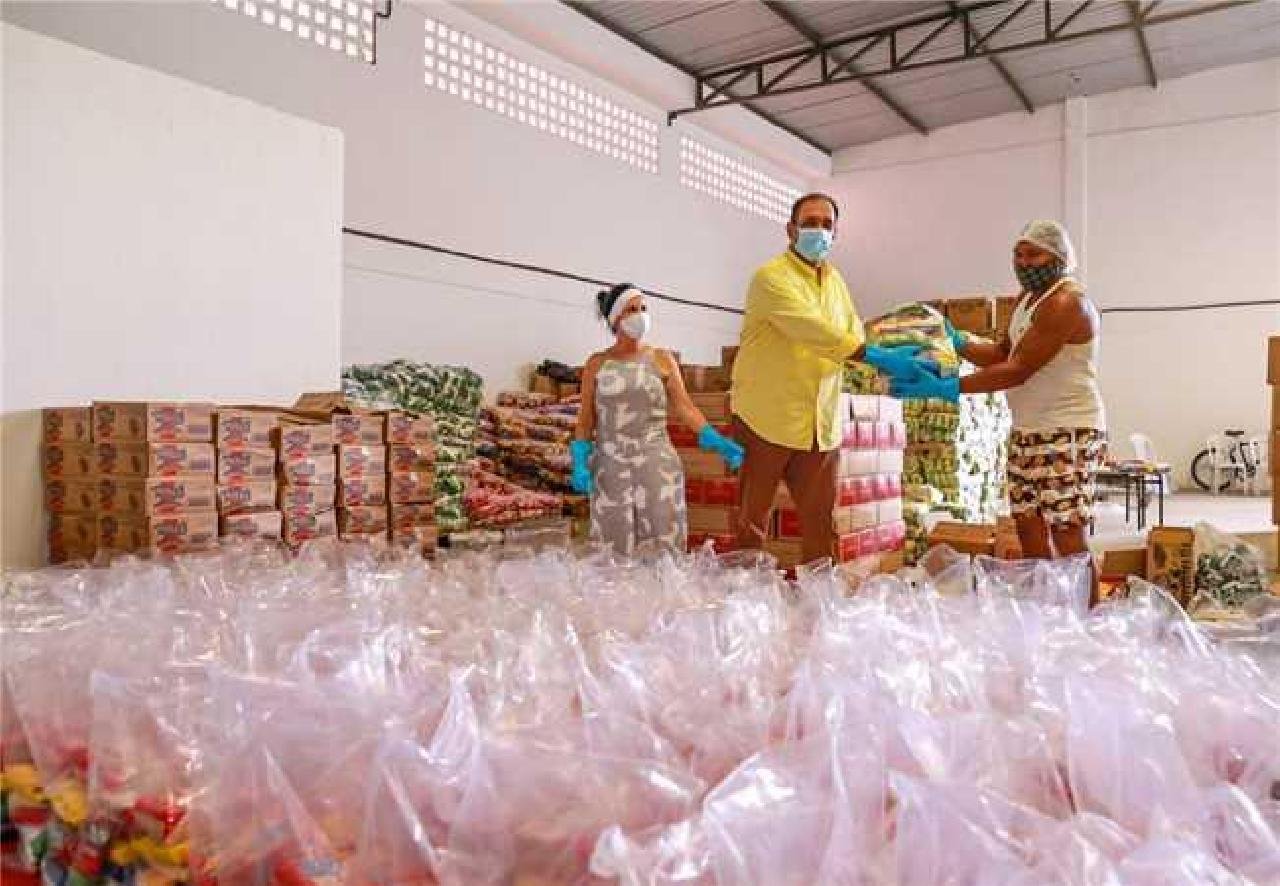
x=1135 y=16
x=996 y=63
x=848 y=64
x=584 y=8
x=1051 y=34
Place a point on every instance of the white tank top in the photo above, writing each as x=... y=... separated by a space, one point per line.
x=1064 y=393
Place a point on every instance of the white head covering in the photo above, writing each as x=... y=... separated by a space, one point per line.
x=1051 y=237
x=620 y=305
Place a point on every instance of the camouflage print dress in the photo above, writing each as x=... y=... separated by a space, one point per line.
x=639 y=483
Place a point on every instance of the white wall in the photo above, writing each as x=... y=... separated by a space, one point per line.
x=161 y=240
x=424 y=166
x=1174 y=195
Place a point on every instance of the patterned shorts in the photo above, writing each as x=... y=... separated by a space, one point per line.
x=1051 y=472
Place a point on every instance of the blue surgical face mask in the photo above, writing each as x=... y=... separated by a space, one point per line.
x=814 y=244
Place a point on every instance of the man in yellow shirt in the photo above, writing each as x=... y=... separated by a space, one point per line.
x=799 y=329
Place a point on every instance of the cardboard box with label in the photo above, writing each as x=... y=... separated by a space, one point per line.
x=303 y=439
x=712 y=520
x=259 y=524
x=705 y=379
x=1171 y=560
x=121 y=459
x=245 y=465
x=411 y=459
x=71 y=495
x=153 y=422
x=419 y=486
x=362 y=520
x=974 y=314
x=315 y=470
x=243 y=498
x=714 y=407
x=67 y=460
x=70 y=424
x=965 y=538
x=404 y=429
x=302 y=500
x=787 y=552
x=122 y=533
x=245 y=428
x=173 y=495
x=362 y=461
x=183 y=533
x=359 y=429
x=171 y=459
x=422 y=539
x=362 y=491
x=405 y=515
x=122 y=495
x=299 y=528
x=74 y=534
x=702 y=464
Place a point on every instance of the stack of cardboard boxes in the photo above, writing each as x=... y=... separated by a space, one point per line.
x=308 y=477
x=245 y=441
x=362 y=475
x=70 y=484
x=979 y=314
x=868 y=514
x=410 y=481
x=156 y=472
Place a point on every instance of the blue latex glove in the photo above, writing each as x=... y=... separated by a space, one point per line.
x=958 y=339
x=711 y=440
x=927 y=386
x=580 y=479
x=899 y=362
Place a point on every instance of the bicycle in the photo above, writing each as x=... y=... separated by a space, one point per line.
x=1241 y=463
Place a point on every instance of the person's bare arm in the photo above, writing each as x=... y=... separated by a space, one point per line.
x=1056 y=321
x=681 y=404
x=586 y=427
x=982 y=353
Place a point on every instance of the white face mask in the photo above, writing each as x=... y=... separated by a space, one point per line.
x=635 y=325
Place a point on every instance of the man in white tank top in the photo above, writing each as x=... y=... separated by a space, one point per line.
x=1048 y=366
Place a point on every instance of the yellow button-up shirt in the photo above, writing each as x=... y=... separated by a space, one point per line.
x=800 y=327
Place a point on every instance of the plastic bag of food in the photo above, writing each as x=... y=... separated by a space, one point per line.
x=1064 y=582
x=916 y=324
x=1229 y=572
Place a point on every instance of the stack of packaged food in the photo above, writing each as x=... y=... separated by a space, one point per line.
x=451 y=396
x=70 y=483
x=411 y=465
x=245 y=439
x=362 y=476
x=308 y=469
x=526 y=437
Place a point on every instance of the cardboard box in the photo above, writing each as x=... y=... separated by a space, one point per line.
x=122 y=495
x=243 y=498
x=245 y=466
x=359 y=429
x=712 y=520
x=173 y=495
x=419 y=486
x=71 y=495
x=299 y=528
x=423 y=539
x=123 y=533
x=787 y=552
x=316 y=470
x=60 y=461
x=362 y=491
x=714 y=407
x=121 y=459
x=543 y=384
x=362 y=461
x=965 y=538
x=405 y=515
x=153 y=422
x=568 y=390
x=722 y=544
x=705 y=379
x=71 y=424
x=1273 y=360
x=728 y=355
x=257 y=524
x=975 y=314
x=245 y=428
x=1132 y=561
x=1170 y=560
x=303 y=439
x=404 y=429
x=363 y=520
x=74 y=534
x=303 y=500
x=170 y=459
x=410 y=459
x=702 y=464
x=183 y=533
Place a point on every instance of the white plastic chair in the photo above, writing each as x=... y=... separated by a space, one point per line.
x=1145 y=451
x=1220 y=462
x=1257 y=449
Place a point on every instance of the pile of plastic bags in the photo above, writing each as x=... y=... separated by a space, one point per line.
x=361 y=717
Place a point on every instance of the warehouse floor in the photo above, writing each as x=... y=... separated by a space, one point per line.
x=1245 y=516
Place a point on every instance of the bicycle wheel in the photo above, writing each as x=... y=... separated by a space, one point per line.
x=1202 y=473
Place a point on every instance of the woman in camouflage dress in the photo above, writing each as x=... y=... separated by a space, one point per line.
x=622 y=456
